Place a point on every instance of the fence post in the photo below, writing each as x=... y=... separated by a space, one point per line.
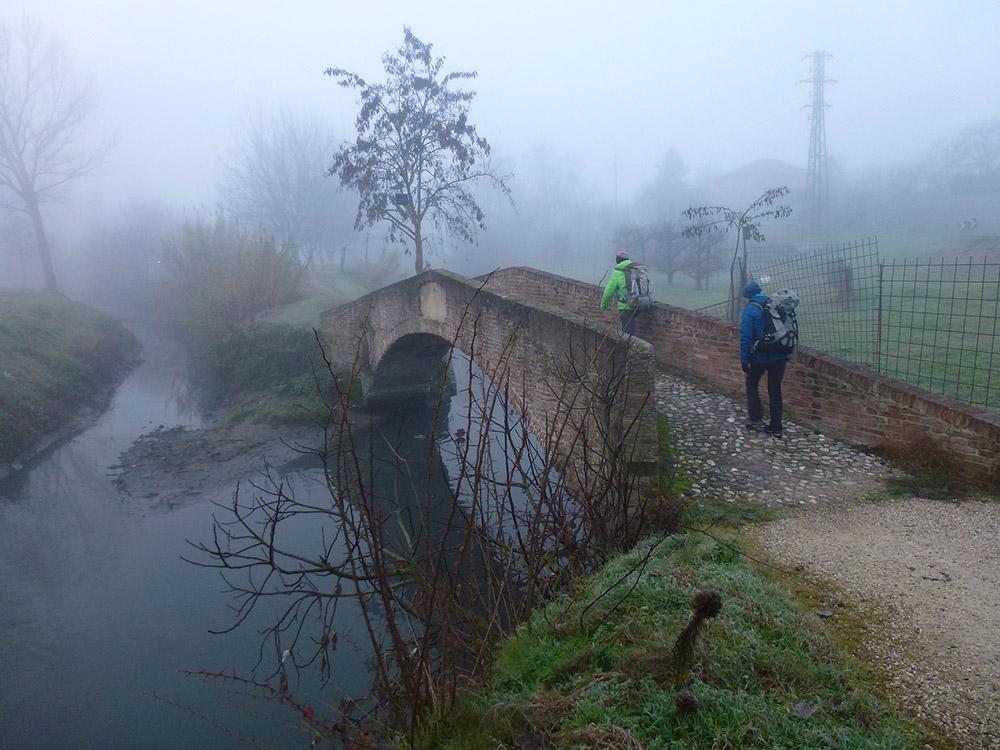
x=878 y=323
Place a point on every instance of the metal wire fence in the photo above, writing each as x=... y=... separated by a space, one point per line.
x=938 y=326
x=929 y=322
x=838 y=287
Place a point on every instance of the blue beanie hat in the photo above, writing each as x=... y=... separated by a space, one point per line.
x=751 y=290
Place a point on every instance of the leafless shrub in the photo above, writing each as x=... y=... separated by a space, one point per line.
x=221 y=275
x=440 y=572
x=930 y=470
x=746 y=223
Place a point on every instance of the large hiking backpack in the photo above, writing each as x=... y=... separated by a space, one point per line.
x=638 y=292
x=781 y=329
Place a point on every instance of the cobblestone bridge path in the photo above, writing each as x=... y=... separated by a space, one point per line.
x=921 y=576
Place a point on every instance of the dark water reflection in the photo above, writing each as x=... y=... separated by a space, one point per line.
x=98 y=613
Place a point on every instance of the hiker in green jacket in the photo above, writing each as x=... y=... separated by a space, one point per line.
x=617 y=288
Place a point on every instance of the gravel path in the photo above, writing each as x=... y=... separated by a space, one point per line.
x=928 y=571
x=924 y=574
x=802 y=468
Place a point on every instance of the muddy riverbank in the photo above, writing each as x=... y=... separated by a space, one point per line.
x=60 y=364
x=173 y=466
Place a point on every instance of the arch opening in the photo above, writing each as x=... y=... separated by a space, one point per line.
x=410 y=371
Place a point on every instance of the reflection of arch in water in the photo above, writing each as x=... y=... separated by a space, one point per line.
x=413 y=464
x=425 y=390
x=411 y=395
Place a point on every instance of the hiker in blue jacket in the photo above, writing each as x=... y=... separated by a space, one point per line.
x=755 y=364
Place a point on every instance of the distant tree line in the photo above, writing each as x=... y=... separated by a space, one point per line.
x=662 y=246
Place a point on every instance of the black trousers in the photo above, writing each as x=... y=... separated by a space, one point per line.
x=627 y=318
x=775 y=372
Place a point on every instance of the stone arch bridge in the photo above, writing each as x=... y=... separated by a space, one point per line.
x=584 y=391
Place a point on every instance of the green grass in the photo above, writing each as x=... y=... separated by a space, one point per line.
x=322 y=290
x=900 y=245
x=938 y=333
x=56 y=356
x=673 y=478
x=682 y=292
x=596 y=668
x=557 y=682
x=265 y=371
x=271 y=370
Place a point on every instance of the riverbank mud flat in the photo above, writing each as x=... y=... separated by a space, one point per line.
x=171 y=467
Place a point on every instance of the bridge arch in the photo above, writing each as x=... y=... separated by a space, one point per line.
x=411 y=366
x=550 y=356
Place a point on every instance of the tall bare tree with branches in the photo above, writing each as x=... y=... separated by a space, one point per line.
x=416 y=153
x=43 y=113
x=273 y=177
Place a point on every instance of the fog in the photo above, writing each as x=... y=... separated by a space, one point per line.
x=600 y=93
x=189 y=189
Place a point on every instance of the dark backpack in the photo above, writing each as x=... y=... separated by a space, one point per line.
x=638 y=292
x=781 y=328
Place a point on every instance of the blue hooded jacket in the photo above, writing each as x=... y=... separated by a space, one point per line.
x=751 y=330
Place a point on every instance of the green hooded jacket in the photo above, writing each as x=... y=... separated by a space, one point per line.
x=617 y=288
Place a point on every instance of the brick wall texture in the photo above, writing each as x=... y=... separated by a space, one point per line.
x=550 y=358
x=820 y=391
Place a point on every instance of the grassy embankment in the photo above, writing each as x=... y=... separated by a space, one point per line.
x=265 y=370
x=767 y=672
x=56 y=358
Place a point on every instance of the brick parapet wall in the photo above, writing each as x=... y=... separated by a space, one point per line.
x=548 y=355
x=824 y=392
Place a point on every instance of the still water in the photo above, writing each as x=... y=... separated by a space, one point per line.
x=98 y=613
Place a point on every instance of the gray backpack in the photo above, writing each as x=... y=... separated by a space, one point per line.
x=639 y=293
x=781 y=328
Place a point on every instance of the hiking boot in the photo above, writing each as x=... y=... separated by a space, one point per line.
x=772 y=431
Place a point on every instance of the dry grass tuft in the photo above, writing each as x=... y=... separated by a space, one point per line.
x=602 y=738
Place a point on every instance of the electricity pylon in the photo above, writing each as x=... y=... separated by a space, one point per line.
x=817 y=202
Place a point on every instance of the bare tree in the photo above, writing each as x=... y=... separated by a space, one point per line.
x=43 y=112
x=972 y=158
x=416 y=154
x=630 y=237
x=703 y=256
x=274 y=178
x=665 y=247
x=746 y=224
x=667 y=192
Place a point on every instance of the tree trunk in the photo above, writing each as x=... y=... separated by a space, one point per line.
x=418 y=251
x=42 y=245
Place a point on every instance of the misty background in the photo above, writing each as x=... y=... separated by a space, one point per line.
x=603 y=118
